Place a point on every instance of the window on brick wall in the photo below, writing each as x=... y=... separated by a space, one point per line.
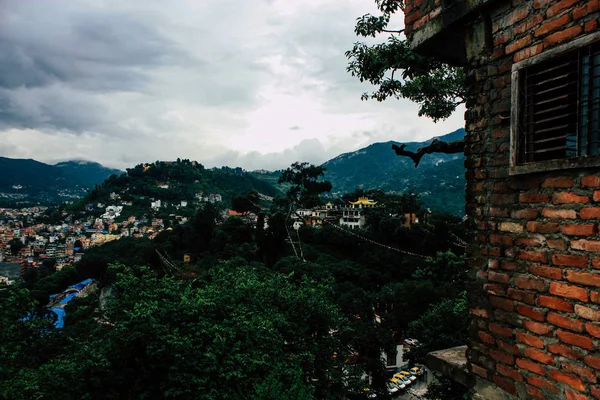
x=556 y=109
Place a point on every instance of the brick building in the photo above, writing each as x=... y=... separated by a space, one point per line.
x=533 y=187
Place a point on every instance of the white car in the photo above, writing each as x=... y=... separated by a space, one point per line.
x=411 y=342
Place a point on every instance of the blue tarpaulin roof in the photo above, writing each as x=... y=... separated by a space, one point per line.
x=68 y=297
x=60 y=314
x=81 y=284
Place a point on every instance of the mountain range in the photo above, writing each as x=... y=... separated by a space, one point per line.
x=439 y=178
x=31 y=181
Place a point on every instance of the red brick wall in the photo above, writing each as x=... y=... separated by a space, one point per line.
x=418 y=12
x=535 y=293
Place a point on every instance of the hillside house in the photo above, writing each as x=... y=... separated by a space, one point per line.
x=352 y=215
x=533 y=187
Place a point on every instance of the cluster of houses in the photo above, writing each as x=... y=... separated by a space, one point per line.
x=350 y=216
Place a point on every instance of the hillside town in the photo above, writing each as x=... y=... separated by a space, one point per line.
x=25 y=242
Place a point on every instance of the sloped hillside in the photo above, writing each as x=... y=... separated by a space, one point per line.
x=439 y=179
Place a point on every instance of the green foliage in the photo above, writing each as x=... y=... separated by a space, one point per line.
x=444 y=325
x=399 y=72
x=167 y=338
x=306 y=187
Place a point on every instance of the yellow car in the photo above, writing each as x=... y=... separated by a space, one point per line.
x=418 y=371
x=407 y=375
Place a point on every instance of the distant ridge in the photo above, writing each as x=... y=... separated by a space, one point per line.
x=439 y=179
x=27 y=180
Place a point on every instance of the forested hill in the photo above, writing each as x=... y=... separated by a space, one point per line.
x=28 y=180
x=173 y=182
x=439 y=179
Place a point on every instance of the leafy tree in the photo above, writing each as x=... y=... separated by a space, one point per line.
x=444 y=325
x=306 y=187
x=397 y=71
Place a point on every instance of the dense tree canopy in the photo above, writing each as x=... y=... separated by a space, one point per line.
x=399 y=72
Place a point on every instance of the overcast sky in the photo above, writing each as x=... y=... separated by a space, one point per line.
x=250 y=83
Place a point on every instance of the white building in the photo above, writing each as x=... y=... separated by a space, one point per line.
x=352 y=216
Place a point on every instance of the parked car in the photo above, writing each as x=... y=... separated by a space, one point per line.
x=411 y=342
x=392 y=388
x=417 y=371
x=398 y=383
x=407 y=375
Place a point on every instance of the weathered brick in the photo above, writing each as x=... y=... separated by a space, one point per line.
x=528 y=25
x=502 y=357
x=498 y=277
x=529 y=241
x=579 y=230
x=510 y=227
x=570 y=260
x=530 y=283
x=542 y=384
x=533 y=198
x=559 y=214
x=526 y=213
x=575 y=340
x=476 y=369
x=597 y=195
x=595 y=391
x=559 y=7
x=534 y=256
x=530 y=340
x=595 y=297
x=534 y=392
x=583 y=372
x=557 y=348
x=592 y=361
x=590 y=181
x=542 y=227
x=587 y=312
x=507 y=347
x=591 y=25
x=565 y=322
x=590 y=213
x=545 y=271
x=509 y=372
x=584 y=278
x=555 y=304
x=532 y=313
x=557 y=244
x=479 y=312
x=586 y=245
x=552 y=26
x=539 y=356
x=569 y=198
x=486 y=337
x=583 y=11
x=502 y=303
x=562 y=36
x=568 y=379
x=536 y=327
x=528 y=52
x=504 y=384
x=575 y=396
x=592 y=329
x=493 y=288
x=520 y=295
x=531 y=366
x=501 y=239
x=501 y=330
x=568 y=291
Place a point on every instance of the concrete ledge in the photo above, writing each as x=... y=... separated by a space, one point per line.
x=452 y=363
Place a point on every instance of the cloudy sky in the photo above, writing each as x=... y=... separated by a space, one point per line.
x=250 y=83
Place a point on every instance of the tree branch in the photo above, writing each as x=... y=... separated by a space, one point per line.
x=436 y=146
